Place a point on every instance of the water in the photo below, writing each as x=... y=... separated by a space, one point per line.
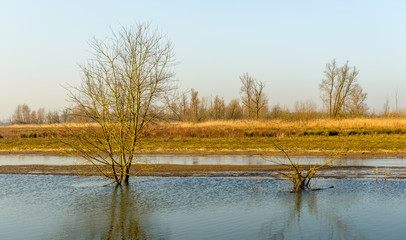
x=30 y=159
x=66 y=207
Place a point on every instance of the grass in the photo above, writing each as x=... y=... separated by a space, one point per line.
x=358 y=136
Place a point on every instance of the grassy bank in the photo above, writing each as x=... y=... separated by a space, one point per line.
x=359 y=136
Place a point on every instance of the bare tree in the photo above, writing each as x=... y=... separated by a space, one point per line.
x=53 y=117
x=247 y=91
x=337 y=86
x=122 y=91
x=21 y=115
x=41 y=115
x=356 y=104
x=253 y=96
x=259 y=99
x=233 y=110
x=178 y=107
x=217 y=110
x=17 y=117
x=279 y=112
x=24 y=115
x=305 y=109
x=386 y=107
x=198 y=106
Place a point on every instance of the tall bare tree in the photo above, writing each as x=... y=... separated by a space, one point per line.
x=260 y=99
x=122 y=91
x=247 y=91
x=338 y=86
x=253 y=96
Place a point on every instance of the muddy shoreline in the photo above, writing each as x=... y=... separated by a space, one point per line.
x=172 y=170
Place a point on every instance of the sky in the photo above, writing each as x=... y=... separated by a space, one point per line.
x=285 y=44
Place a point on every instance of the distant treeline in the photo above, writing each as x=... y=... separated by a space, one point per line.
x=192 y=108
x=341 y=94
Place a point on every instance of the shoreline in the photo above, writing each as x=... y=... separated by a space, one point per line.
x=173 y=170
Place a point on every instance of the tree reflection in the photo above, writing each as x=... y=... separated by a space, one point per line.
x=305 y=218
x=119 y=214
x=124 y=222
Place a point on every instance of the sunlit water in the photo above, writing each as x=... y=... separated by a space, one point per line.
x=30 y=159
x=66 y=207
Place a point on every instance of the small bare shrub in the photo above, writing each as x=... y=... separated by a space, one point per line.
x=301 y=176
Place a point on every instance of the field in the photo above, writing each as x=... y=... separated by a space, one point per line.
x=351 y=137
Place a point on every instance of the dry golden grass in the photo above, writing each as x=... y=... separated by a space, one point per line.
x=314 y=123
x=241 y=128
x=382 y=136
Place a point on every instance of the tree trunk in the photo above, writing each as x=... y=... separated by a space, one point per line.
x=126 y=175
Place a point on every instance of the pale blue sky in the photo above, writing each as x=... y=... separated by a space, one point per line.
x=283 y=43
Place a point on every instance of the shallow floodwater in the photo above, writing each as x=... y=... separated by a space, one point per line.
x=30 y=159
x=66 y=207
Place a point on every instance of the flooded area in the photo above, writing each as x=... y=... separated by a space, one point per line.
x=34 y=159
x=67 y=207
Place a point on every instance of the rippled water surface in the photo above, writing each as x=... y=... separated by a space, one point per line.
x=66 y=207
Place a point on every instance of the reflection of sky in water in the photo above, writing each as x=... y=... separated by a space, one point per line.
x=65 y=207
x=203 y=160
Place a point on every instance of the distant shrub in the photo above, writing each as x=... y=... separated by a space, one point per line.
x=271 y=134
x=1 y=136
x=399 y=131
x=320 y=133
x=333 y=133
x=249 y=134
x=30 y=135
x=385 y=131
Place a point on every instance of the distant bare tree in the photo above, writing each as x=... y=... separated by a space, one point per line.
x=253 y=96
x=356 y=104
x=17 y=117
x=26 y=114
x=233 y=110
x=21 y=115
x=122 y=91
x=198 y=107
x=33 y=117
x=247 y=91
x=279 y=112
x=386 y=107
x=305 y=109
x=337 y=86
x=217 y=110
x=195 y=104
x=53 y=117
x=41 y=115
x=260 y=99
x=177 y=106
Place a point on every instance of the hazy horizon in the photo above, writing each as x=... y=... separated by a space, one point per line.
x=284 y=44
